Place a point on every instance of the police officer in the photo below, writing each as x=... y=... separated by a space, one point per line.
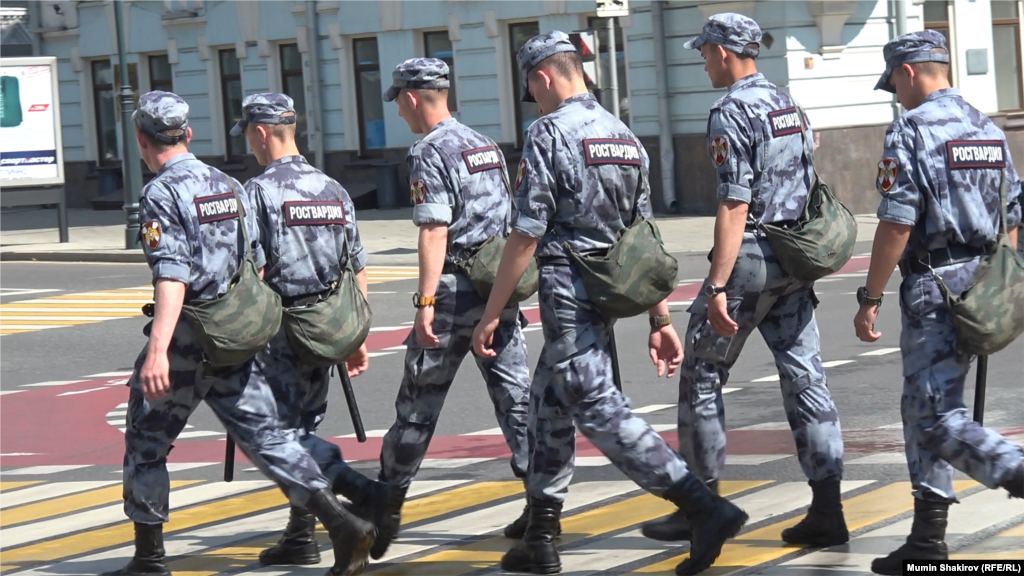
x=460 y=199
x=765 y=170
x=939 y=177
x=187 y=213
x=571 y=190
x=306 y=251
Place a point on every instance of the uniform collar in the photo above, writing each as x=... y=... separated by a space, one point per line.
x=287 y=159
x=577 y=98
x=943 y=93
x=757 y=76
x=446 y=122
x=176 y=159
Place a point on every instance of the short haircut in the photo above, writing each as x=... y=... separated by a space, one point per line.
x=161 y=147
x=430 y=95
x=565 y=64
x=285 y=132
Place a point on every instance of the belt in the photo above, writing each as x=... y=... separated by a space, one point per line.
x=938 y=258
x=301 y=301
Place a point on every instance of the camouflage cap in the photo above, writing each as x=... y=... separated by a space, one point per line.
x=159 y=111
x=730 y=31
x=417 y=73
x=268 y=108
x=535 y=51
x=924 y=46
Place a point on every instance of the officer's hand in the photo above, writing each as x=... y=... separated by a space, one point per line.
x=424 y=327
x=864 y=323
x=155 y=376
x=718 y=315
x=666 y=350
x=358 y=362
x=483 y=336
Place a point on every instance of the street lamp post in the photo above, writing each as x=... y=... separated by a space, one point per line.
x=131 y=171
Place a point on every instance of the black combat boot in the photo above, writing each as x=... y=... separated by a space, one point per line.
x=536 y=552
x=713 y=520
x=1015 y=483
x=824 y=524
x=926 y=540
x=149 y=559
x=350 y=535
x=386 y=509
x=298 y=543
x=517 y=528
x=672 y=528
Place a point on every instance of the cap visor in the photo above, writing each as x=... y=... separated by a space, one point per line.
x=238 y=128
x=694 y=44
x=883 y=82
x=391 y=93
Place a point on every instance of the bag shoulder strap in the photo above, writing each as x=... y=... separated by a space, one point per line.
x=808 y=148
x=347 y=252
x=508 y=186
x=1003 y=193
x=246 y=247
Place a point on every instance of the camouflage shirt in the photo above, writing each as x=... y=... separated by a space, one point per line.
x=307 y=222
x=579 y=178
x=941 y=171
x=458 y=178
x=755 y=143
x=189 y=229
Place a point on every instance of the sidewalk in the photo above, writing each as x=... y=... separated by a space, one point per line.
x=389 y=236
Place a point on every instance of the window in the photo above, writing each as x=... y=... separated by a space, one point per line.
x=937 y=16
x=293 y=85
x=437 y=45
x=601 y=26
x=1006 y=43
x=526 y=112
x=103 y=103
x=231 y=98
x=369 y=104
x=160 y=74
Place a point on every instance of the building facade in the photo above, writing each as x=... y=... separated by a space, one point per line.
x=335 y=59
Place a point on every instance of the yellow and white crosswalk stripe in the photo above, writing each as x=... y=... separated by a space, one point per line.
x=451 y=527
x=73 y=309
x=380 y=274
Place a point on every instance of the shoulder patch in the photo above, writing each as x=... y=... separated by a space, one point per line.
x=151 y=234
x=964 y=154
x=784 y=122
x=521 y=173
x=313 y=212
x=888 y=169
x=480 y=159
x=418 y=191
x=719 y=150
x=216 y=208
x=599 y=151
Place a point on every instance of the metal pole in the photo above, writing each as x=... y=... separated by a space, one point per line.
x=130 y=168
x=314 y=84
x=979 y=389
x=901 y=17
x=666 y=147
x=613 y=68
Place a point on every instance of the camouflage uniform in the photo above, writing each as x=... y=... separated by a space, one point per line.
x=458 y=179
x=940 y=173
x=307 y=228
x=191 y=235
x=576 y=187
x=762 y=160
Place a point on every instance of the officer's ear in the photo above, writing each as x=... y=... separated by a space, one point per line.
x=909 y=72
x=414 y=100
x=263 y=132
x=188 y=134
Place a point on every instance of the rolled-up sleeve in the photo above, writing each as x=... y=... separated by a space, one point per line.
x=429 y=187
x=535 y=184
x=729 y=147
x=897 y=177
x=164 y=238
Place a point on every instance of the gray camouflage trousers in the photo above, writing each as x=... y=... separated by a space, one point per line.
x=301 y=394
x=759 y=295
x=429 y=373
x=573 y=385
x=241 y=400
x=940 y=434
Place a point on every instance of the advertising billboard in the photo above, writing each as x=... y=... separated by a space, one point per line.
x=31 y=151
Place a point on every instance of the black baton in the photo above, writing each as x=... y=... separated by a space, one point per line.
x=979 y=389
x=353 y=408
x=229 y=459
x=614 y=352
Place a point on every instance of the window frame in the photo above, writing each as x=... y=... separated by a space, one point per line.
x=1014 y=23
x=357 y=70
x=301 y=140
x=516 y=102
x=602 y=48
x=453 y=102
x=223 y=80
x=948 y=27
x=165 y=85
x=101 y=160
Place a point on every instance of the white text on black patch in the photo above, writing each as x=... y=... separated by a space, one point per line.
x=480 y=159
x=964 y=154
x=611 y=151
x=216 y=208
x=784 y=122
x=313 y=213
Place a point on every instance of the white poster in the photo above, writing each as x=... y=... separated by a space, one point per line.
x=30 y=143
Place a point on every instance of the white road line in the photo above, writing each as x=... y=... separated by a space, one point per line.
x=387 y=328
x=179 y=466
x=774 y=378
x=591 y=461
x=766 y=426
x=488 y=432
x=40 y=470
x=29 y=326
x=24 y=318
x=653 y=408
x=379 y=354
x=48 y=491
x=880 y=352
x=880 y=458
x=369 y=434
x=834 y=363
x=896 y=426
x=730 y=389
x=753 y=459
x=126 y=311
x=445 y=463
x=6 y=392
x=199 y=434
x=82 y=391
x=110 y=374
x=663 y=427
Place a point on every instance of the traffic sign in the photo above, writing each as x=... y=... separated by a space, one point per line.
x=612 y=8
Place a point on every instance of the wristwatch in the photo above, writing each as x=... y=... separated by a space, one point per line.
x=419 y=300
x=864 y=300
x=712 y=290
x=659 y=321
